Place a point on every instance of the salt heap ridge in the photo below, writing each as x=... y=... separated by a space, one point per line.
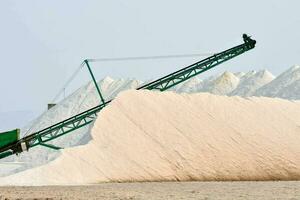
x=140 y=136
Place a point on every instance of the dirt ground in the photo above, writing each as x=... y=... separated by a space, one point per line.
x=155 y=190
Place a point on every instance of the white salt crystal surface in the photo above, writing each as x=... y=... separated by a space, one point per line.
x=153 y=136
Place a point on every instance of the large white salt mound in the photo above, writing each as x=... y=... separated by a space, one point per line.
x=153 y=136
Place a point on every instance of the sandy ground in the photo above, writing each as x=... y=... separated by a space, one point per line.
x=166 y=190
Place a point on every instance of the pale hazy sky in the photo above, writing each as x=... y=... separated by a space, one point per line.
x=42 y=42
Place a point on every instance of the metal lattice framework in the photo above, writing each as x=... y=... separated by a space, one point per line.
x=73 y=123
x=64 y=127
x=186 y=73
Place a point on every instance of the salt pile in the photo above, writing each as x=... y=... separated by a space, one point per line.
x=286 y=85
x=152 y=136
x=261 y=83
x=251 y=82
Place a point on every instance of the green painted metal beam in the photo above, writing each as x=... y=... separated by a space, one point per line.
x=50 y=146
x=6 y=154
x=95 y=82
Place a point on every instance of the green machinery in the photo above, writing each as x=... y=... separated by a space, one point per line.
x=9 y=137
x=15 y=145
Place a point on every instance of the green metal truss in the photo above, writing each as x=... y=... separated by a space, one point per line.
x=73 y=123
x=186 y=73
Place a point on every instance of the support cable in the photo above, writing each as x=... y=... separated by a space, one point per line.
x=148 y=57
x=63 y=89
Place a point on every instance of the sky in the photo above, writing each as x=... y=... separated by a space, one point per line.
x=42 y=42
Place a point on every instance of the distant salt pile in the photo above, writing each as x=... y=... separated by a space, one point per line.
x=152 y=136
